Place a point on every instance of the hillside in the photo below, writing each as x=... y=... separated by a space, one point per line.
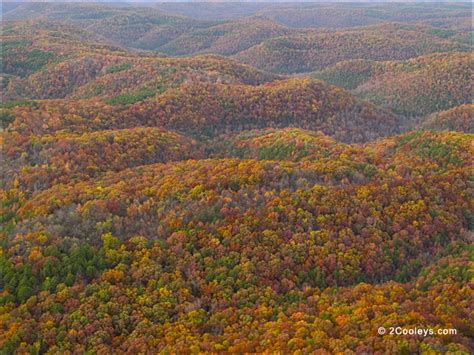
x=460 y=118
x=280 y=38
x=103 y=87
x=316 y=50
x=206 y=109
x=140 y=27
x=39 y=64
x=220 y=223
x=347 y=15
x=277 y=144
x=110 y=75
x=29 y=46
x=296 y=15
x=226 y=39
x=63 y=157
x=415 y=87
x=216 y=178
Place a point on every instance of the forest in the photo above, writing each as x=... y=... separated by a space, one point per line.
x=236 y=178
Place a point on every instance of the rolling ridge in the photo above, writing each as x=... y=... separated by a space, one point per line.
x=235 y=178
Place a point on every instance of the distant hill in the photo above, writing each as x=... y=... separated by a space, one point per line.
x=325 y=14
x=227 y=39
x=278 y=37
x=415 y=87
x=139 y=27
x=317 y=50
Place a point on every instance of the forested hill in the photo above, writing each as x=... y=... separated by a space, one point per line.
x=221 y=178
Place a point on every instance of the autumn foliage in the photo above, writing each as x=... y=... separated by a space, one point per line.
x=415 y=87
x=197 y=204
